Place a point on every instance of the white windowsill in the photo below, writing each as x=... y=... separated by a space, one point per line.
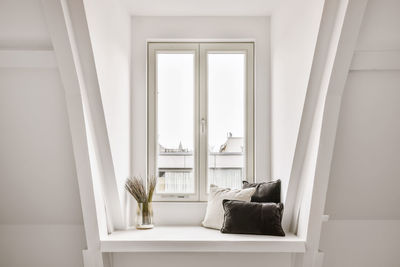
x=197 y=239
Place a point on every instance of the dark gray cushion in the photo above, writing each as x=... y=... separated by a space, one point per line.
x=265 y=192
x=243 y=217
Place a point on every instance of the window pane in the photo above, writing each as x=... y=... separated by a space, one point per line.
x=175 y=112
x=226 y=123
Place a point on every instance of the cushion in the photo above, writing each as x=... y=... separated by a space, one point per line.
x=266 y=191
x=215 y=212
x=252 y=218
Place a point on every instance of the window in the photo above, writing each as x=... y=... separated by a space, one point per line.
x=200 y=117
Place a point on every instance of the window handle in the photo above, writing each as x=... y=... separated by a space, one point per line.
x=203 y=125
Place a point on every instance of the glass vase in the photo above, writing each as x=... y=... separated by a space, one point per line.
x=144 y=216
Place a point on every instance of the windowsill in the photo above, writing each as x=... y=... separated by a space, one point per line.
x=197 y=239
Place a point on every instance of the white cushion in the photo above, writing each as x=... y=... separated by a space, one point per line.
x=214 y=217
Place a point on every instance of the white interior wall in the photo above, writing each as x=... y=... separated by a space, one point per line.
x=201 y=28
x=110 y=33
x=367 y=149
x=40 y=214
x=23 y=26
x=198 y=28
x=201 y=259
x=294 y=30
x=362 y=198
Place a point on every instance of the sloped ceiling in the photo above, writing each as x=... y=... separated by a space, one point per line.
x=201 y=7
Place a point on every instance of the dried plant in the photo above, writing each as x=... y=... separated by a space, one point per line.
x=137 y=188
x=152 y=182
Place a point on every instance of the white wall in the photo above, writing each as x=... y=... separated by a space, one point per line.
x=110 y=33
x=38 y=182
x=206 y=28
x=366 y=157
x=40 y=214
x=294 y=30
x=202 y=259
x=22 y=25
x=363 y=197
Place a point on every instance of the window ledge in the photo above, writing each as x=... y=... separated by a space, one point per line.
x=197 y=239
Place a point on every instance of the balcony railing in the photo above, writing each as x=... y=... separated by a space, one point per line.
x=175 y=170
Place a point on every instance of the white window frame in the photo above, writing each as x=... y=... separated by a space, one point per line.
x=200 y=51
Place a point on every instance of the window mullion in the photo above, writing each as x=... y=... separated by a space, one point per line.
x=204 y=117
x=197 y=119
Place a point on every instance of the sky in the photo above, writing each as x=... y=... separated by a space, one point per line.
x=226 y=83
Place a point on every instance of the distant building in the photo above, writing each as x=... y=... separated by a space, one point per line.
x=180 y=149
x=225 y=167
x=232 y=144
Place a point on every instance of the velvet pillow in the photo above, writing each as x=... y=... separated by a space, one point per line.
x=266 y=191
x=252 y=218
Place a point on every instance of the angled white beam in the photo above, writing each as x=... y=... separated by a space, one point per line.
x=332 y=25
x=321 y=67
x=346 y=46
x=56 y=25
x=342 y=20
x=70 y=37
